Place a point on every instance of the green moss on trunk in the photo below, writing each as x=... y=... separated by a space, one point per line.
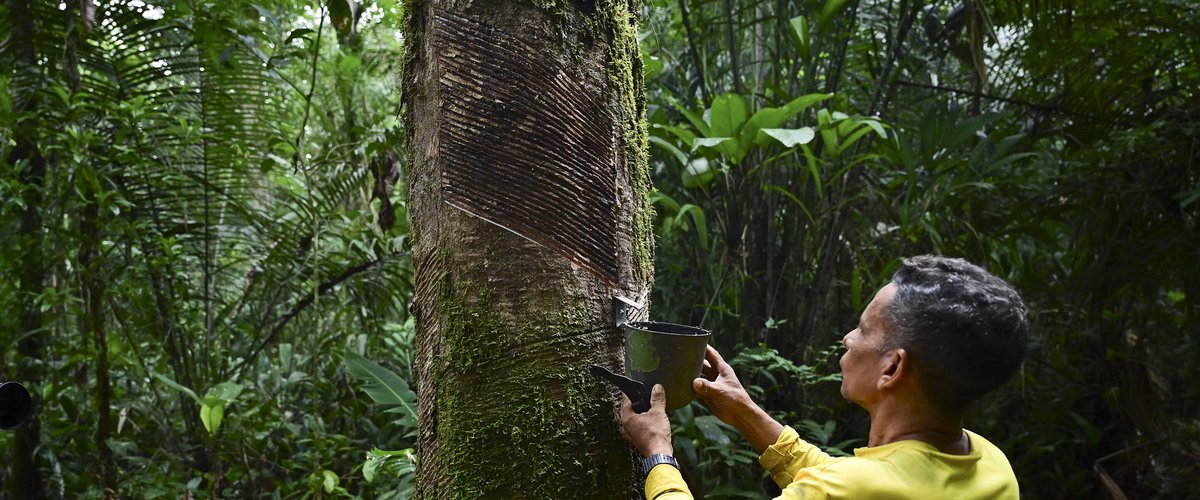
x=515 y=405
x=506 y=328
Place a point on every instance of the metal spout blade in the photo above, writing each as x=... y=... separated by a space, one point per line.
x=634 y=390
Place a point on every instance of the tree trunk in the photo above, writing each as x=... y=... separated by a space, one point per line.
x=93 y=290
x=93 y=324
x=528 y=199
x=25 y=479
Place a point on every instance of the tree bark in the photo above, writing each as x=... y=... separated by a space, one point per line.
x=25 y=479
x=90 y=259
x=529 y=206
x=93 y=324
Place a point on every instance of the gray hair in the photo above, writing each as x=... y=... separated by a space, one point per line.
x=964 y=328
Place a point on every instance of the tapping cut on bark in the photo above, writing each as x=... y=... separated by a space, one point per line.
x=526 y=146
x=529 y=117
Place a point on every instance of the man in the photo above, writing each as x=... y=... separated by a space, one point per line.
x=942 y=334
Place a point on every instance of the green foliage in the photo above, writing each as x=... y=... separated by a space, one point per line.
x=387 y=388
x=384 y=387
x=401 y=463
x=763 y=362
x=717 y=460
x=1051 y=144
x=212 y=408
x=221 y=206
x=204 y=200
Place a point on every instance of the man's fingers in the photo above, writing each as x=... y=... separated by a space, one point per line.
x=700 y=387
x=714 y=358
x=658 y=396
x=711 y=358
x=708 y=371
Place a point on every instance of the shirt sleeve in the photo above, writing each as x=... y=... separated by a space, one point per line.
x=806 y=488
x=666 y=483
x=788 y=455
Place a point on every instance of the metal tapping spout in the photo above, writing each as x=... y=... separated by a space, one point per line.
x=637 y=392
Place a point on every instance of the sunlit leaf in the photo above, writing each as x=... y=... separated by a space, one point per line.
x=211 y=416
x=225 y=392
x=790 y=137
x=651 y=66
x=329 y=480
x=698 y=173
x=709 y=142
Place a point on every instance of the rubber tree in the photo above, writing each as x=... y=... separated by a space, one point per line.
x=526 y=150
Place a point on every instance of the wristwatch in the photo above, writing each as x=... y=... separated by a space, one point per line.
x=649 y=462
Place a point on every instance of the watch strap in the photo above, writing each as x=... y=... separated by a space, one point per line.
x=651 y=461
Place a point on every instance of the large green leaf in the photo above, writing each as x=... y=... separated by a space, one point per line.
x=670 y=148
x=831 y=8
x=699 y=221
x=725 y=146
x=225 y=392
x=175 y=385
x=212 y=416
x=383 y=385
x=727 y=115
x=329 y=480
x=399 y=462
x=791 y=137
x=710 y=142
x=775 y=118
x=800 y=36
x=698 y=173
x=710 y=427
x=696 y=120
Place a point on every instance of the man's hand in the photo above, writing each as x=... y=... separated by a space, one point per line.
x=720 y=389
x=725 y=397
x=649 y=432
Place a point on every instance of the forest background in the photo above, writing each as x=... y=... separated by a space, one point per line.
x=204 y=258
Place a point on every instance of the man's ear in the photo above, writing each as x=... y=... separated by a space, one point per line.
x=895 y=367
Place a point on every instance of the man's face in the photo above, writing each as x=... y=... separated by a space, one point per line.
x=862 y=362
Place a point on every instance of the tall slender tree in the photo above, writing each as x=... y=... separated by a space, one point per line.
x=529 y=204
x=21 y=53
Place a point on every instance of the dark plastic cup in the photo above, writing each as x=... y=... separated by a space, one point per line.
x=667 y=354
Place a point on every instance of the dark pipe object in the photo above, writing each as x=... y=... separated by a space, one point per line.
x=634 y=390
x=15 y=404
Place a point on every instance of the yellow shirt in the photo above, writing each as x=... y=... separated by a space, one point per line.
x=904 y=469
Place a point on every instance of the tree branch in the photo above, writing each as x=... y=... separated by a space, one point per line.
x=701 y=79
x=298 y=156
x=1116 y=121
x=972 y=93
x=307 y=300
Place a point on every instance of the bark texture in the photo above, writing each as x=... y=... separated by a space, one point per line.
x=25 y=477
x=528 y=199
